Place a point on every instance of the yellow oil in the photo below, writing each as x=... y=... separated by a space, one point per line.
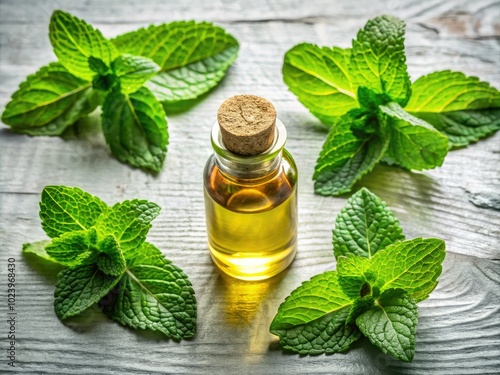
x=252 y=224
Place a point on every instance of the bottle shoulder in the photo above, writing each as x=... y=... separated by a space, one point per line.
x=252 y=194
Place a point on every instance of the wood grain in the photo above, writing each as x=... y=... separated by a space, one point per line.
x=459 y=329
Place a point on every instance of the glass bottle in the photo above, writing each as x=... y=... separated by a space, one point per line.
x=251 y=207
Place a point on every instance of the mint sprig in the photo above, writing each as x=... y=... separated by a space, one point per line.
x=380 y=277
x=365 y=96
x=134 y=76
x=110 y=263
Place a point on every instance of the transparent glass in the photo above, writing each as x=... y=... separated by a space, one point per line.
x=251 y=209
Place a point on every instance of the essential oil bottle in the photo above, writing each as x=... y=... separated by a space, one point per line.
x=250 y=191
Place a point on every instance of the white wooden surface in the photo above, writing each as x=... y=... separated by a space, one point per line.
x=459 y=325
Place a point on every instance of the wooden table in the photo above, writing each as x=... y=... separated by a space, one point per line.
x=459 y=325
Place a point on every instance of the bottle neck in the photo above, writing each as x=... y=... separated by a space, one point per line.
x=249 y=167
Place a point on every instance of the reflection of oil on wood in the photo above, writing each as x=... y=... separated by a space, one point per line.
x=458 y=330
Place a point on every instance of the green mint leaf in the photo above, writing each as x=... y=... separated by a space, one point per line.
x=176 y=44
x=464 y=127
x=135 y=128
x=74 y=42
x=371 y=100
x=345 y=158
x=129 y=223
x=48 y=102
x=312 y=319
x=353 y=277
x=391 y=325
x=193 y=57
x=153 y=294
x=412 y=265
x=461 y=107
x=97 y=65
x=64 y=209
x=72 y=249
x=320 y=79
x=378 y=59
x=390 y=162
x=414 y=144
x=38 y=248
x=327 y=334
x=133 y=71
x=315 y=298
x=352 y=265
x=180 y=88
x=363 y=122
x=364 y=226
x=79 y=288
x=111 y=260
x=448 y=91
x=105 y=82
x=359 y=306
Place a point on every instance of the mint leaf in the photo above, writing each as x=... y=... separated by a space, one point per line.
x=129 y=223
x=97 y=65
x=414 y=143
x=105 y=82
x=345 y=158
x=79 y=288
x=464 y=127
x=38 y=248
x=64 y=209
x=181 y=87
x=378 y=59
x=352 y=265
x=72 y=249
x=353 y=275
x=48 y=102
x=176 y=44
x=135 y=128
x=459 y=106
x=133 y=71
x=312 y=319
x=390 y=162
x=359 y=306
x=412 y=265
x=111 y=260
x=320 y=79
x=193 y=57
x=315 y=298
x=364 y=226
x=153 y=294
x=74 y=42
x=371 y=100
x=448 y=91
x=391 y=325
x=77 y=248
x=327 y=334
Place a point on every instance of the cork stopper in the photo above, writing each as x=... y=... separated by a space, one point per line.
x=247 y=124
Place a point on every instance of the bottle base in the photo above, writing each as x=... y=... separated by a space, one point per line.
x=253 y=268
